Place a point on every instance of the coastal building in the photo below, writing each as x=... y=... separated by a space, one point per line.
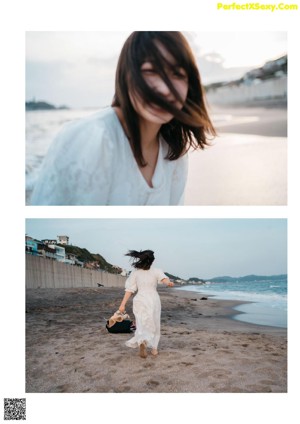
x=38 y=248
x=60 y=252
x=266 y=83
x=31 y=246
x=178 y=281
x=54 y=249
x=48 y=241
x=78 y=262
x=48 y=248
x=72 y=259
x=63 y=240
x=47 y=252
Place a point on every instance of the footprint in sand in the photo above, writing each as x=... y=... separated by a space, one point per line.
x=152 y=383
x=149 y=365
x=122 y=389
x=224 y=350
x=63 y=388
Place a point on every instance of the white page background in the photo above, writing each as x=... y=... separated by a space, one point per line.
x=18 y=17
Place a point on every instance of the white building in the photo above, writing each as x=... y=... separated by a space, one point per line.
x=60 y=252
x=48 y=241
x=63 y=240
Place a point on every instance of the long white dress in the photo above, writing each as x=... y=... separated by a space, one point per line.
x=91 y=163
x=146 y=306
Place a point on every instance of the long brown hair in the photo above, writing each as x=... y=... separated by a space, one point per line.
x=141 y=260
x=191 y=125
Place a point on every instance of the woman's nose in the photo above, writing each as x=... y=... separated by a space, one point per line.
x=162 y=88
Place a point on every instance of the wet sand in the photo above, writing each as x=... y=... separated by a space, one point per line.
x=246 y=163
x=202 y=349
x=267 y=118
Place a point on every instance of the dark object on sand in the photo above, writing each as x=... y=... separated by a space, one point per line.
x=125 y=326
x=203 y=298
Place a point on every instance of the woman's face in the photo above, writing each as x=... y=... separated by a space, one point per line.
x=179 y=79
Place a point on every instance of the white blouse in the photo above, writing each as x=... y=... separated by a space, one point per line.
x=91 y=163
x=144 y=280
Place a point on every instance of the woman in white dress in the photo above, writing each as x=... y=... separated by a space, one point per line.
x=135 y=151
x=146 y=303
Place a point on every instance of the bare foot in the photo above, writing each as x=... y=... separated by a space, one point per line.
x=154 y=352
x=143 y=350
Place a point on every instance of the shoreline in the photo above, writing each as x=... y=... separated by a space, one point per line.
x=202 y=349
x=236 y=312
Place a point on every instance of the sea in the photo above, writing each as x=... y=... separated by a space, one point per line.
x=266 y=299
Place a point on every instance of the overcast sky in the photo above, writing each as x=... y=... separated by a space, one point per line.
x=78 y=68
x=203 y=248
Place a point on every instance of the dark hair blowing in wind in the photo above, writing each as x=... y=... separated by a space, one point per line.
x=191 y=125
x=142 y=259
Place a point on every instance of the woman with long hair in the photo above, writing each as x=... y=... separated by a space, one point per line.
x=146 y=303
x=135 y=151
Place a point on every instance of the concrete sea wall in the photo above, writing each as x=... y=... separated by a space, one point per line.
x=47 y=273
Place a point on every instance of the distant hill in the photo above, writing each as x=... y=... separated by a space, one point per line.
x=172 y=277
x=41 y=105
x=196 y=280
x=247 y=278
x=85 y=256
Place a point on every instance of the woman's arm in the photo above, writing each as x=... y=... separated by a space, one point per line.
x=167 y=282
x=127 y=296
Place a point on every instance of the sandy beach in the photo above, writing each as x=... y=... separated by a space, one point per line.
x=202 y=349
x=246 y=163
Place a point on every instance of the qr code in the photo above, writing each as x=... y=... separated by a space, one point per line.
x=14 y=409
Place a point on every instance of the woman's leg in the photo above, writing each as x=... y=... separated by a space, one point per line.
x=143 y=350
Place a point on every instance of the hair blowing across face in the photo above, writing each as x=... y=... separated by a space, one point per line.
x=142 y=259
x=191 y=125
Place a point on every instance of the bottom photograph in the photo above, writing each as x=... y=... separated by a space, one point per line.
x=156 y=305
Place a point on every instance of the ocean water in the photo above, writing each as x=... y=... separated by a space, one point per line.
x=268 y=299
x=41 y=128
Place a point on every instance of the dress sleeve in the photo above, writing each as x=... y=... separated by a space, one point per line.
x=179 y=181
x=77 y=168
x=130 y=284
x=160 y=275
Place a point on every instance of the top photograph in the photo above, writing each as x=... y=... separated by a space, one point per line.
x=156 y=118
